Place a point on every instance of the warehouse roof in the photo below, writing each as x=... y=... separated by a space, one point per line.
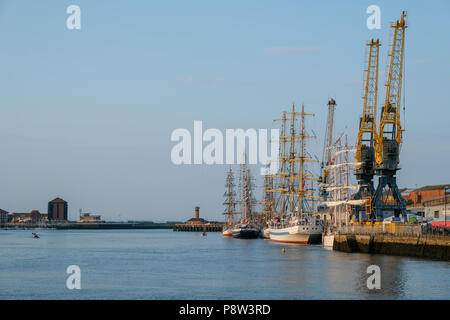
x=433 y=187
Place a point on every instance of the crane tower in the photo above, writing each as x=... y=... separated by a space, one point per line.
x=326 y=162
x=365 y=152
x=387 y=197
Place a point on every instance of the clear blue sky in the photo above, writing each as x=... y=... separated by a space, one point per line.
x=87 y=114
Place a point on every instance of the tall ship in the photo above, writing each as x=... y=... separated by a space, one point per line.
x=338 y=190
x=246 y=228
x=230 y=205
x=295 y=220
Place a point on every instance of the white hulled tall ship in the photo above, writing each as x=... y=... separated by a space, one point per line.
x=296 y=222
x=230 y=205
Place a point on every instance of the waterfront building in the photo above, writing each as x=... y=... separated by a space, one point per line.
x=87 y=217
x=33 y=216
x=196 y=219
x=428 y=202
x=3 y=217
x=57 y=209
x=417 y=196
x=437 y=208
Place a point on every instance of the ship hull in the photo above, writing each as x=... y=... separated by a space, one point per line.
x=245 y=233
x=296 y=234
x=227 y=233
x=328 y=240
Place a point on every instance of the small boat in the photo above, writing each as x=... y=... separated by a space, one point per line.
x=245 y=231
x=204 y=233
x=35 y=235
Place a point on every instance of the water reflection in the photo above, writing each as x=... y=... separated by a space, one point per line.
x=392 y=276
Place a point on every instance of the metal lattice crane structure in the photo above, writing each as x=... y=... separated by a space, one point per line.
x=365 y=146
x=387 y=197
x=327 y=151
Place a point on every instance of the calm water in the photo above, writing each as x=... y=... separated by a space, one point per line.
x=161 y=264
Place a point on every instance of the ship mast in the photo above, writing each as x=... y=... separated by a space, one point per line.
x=229 y=198
x=281 y=174
x=304 y=157
x=340 y=187
x=292 y=176
x=246 y=186
x=268 y=201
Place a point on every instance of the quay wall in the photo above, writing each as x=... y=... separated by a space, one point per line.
x=421 y=246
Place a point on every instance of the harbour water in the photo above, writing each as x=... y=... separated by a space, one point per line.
x=162 y=264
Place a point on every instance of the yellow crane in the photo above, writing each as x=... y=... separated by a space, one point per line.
x=390 y=127
x=387 y=197
x=367 y=135
x=368 y=126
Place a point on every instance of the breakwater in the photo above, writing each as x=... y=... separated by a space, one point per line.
x=210 y=227
x=90 y=225
x=115 y=225
x=422 y=246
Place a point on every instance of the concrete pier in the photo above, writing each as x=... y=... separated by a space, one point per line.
x=210 y=227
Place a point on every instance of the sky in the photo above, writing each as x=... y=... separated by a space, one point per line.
x=87 y=115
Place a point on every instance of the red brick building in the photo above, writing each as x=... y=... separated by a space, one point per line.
x=33 y=216
x=428 y=192
x=57 y=210
x=3 y=217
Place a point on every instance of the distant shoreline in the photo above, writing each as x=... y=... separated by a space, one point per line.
x=93 y=225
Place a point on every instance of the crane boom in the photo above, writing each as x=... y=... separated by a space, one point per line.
x=368 y=127
x=388 y=198
x=390 y=126
x=365 y=146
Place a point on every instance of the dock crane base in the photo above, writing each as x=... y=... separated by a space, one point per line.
x=387 y=179
x=366 y=191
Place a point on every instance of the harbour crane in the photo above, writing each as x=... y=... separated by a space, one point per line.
x=327 y=152
x=387 y=197
x=365 y=146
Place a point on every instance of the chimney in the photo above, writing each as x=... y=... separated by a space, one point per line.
x=197 y=212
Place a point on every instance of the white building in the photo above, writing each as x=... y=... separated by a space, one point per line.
x=437 y=208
